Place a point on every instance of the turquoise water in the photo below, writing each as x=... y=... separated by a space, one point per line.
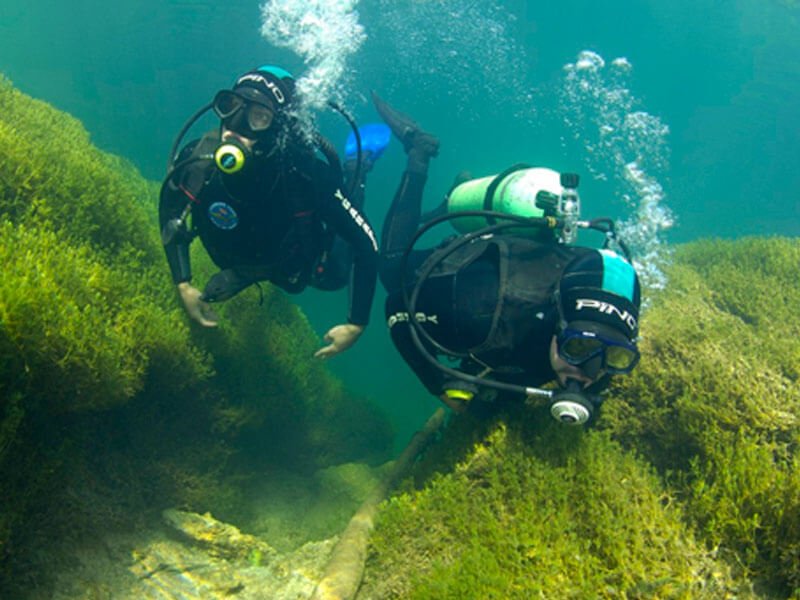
x=680 y=116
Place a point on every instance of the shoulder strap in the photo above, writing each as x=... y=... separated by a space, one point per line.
x=528 y=274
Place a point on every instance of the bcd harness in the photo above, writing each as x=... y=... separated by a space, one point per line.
x=301 y=245
x=527 y=273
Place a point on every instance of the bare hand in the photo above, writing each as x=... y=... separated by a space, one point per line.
x=340 y=339
x=197 y=309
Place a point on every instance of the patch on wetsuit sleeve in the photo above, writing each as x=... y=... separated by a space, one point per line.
x=223 y=216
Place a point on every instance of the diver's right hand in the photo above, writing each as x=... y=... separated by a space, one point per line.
x=197 y=309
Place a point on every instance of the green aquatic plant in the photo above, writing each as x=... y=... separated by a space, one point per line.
x=83 y=298
x=113 y=404
x=52 y=175
x=536 y=510
x=715 y=401
x=71 y=319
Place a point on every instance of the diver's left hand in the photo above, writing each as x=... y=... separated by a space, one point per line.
x=340 y=338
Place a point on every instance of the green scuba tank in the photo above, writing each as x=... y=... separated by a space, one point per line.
x=522 y=191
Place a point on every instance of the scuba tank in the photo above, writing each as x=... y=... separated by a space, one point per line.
x=522 y=191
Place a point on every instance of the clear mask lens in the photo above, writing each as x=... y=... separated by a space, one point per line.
x=259 y=117
x=620 y=358
x=227 y=103
x=579 y=347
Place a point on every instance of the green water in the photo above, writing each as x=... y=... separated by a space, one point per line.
x=489 y=78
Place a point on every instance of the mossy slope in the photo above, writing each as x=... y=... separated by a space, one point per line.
x=539 y=512
x=716 y=402
x=112 y=403
x=687 y=487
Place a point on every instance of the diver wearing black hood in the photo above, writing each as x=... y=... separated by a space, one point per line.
x=265 y=207
x=512 y=304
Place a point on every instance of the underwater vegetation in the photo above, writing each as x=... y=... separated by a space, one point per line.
x=716 y=405
x=538 y=512
x=112 y=405
x=687 y=486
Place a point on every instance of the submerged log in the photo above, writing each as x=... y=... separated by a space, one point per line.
x=345 y=569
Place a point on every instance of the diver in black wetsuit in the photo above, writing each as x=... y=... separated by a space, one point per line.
x=515 y=311
x=266 y=207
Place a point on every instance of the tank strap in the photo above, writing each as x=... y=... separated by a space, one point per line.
x=496 y=329
x=528 y=271
x=457 y=260
x=488 y=199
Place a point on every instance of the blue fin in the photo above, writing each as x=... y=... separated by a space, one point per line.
x=374 y=139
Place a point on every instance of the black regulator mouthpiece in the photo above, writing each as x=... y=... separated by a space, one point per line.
x=571 y=405
x=231 y=157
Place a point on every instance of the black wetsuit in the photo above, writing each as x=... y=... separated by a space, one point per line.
x=275 y=223
x=492 y=299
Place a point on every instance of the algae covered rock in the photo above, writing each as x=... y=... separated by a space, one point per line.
x=196 y=557
x=687 y=486
x=534 y=511
x=221 y=539
x=715 y=402
x=113 y=404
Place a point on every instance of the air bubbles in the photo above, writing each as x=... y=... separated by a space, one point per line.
x=588 y=61
x=624 y=145
x=325 y=34
x=622 y=64
x=470 y=49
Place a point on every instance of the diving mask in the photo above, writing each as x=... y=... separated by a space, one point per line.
x=242 y=114
x=578 y=347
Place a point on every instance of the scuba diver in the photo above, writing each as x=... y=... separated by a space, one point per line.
x=266 y=207
x=508 y=304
